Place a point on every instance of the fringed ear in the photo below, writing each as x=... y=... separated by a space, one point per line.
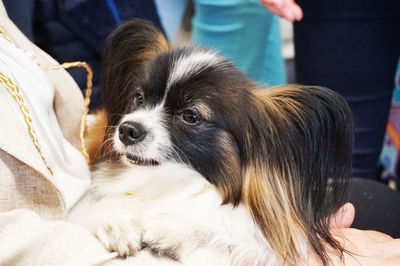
x=297 y=176
x=126 y=50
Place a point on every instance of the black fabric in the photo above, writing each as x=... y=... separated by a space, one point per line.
x=352 y=47
x=377 y=207
x=24 y=20
x=75 y=30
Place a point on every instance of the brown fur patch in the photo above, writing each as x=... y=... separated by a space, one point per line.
x=160 y=45
x=270 y=199
x=231 y=190
x=205 y=111
x=269 y=190
x=95 y=133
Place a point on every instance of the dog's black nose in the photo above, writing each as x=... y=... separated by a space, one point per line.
x=131 y=132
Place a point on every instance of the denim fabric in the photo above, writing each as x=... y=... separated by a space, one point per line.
x=352 y=47
x=244 y=32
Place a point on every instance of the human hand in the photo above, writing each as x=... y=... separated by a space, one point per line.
x=367 y=248
x=364 y=247
x=287 y=9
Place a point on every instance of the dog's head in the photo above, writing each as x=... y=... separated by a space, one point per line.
x=284 y=152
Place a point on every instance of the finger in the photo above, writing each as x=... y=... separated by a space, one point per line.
x=288 y=14
x=344 y=217
x=353 y=239
x=275 y=10
x=273 y=3
x=378 y=236
x=298 y=12
x=281 y=8
x=290 y=11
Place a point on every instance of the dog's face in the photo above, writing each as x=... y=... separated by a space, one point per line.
x=273 y=150
x=189 y=106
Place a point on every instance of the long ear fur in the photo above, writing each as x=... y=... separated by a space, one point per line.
x=300 y=167
x=126 y=50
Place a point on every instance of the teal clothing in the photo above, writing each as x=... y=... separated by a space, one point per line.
x=244 y=32
x=170 y=13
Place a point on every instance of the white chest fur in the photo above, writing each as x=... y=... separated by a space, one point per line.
x=174 y=211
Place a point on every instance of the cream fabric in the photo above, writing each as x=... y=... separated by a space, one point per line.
x=28 y=239
x=17 y=147
x=32 y=208
x=71 y=172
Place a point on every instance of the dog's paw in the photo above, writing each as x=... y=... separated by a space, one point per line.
x=120 y=232
x=161 y=238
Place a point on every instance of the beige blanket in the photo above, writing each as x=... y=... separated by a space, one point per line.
x=32 y=209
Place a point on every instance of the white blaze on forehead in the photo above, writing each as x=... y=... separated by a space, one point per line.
x=191 y=63
x=149 y=117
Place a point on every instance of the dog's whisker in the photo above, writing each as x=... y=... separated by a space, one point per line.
x=100 y=149
x=174 y=150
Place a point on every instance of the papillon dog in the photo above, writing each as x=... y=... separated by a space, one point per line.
x=189 y=155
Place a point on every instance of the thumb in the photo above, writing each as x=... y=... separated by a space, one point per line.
x=343 y=218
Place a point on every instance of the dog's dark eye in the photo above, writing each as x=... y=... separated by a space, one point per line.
x=139 y=99
x=189 y=116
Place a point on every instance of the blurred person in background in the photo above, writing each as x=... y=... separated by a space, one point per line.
x=352 y=47
x=243 y=32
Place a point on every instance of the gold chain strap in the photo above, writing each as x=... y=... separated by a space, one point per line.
x=15 y=93
x=6 y=36
x=139 y=197
x=89 y=86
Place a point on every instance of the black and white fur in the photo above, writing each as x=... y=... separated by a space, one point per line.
x=193 y=158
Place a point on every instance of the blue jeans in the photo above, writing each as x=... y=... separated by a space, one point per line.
x=352 y=47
